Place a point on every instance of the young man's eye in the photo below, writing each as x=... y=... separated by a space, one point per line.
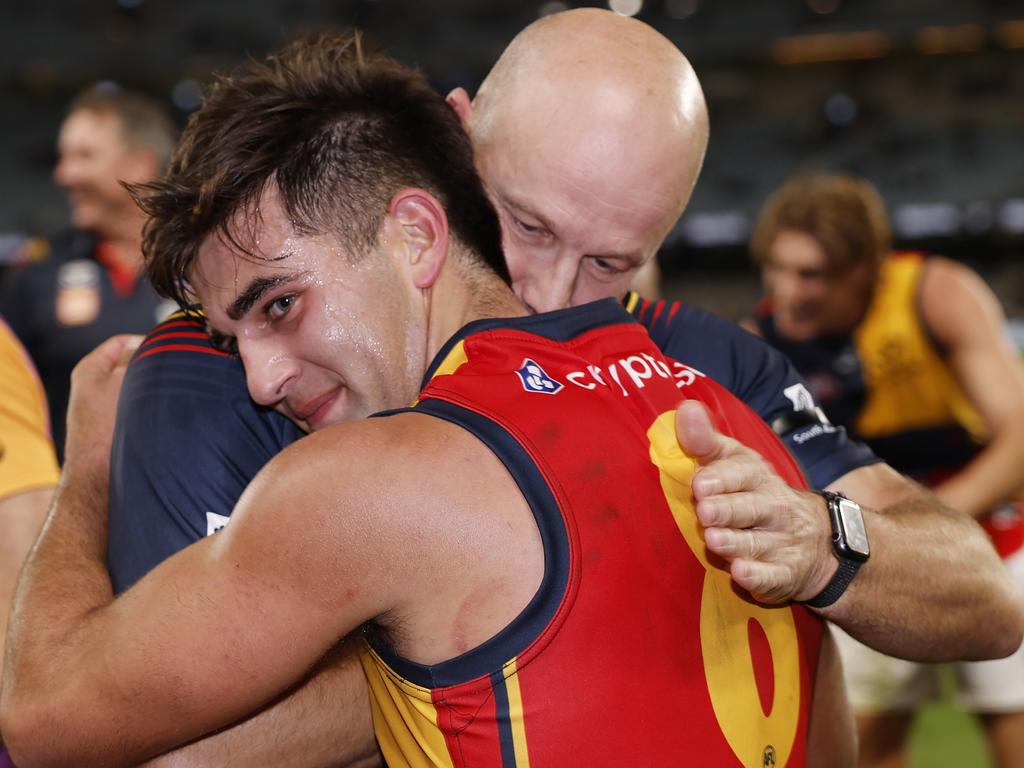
x=280 y=306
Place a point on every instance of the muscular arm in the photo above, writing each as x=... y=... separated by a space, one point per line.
x=933 y=577
x=932 y=580
x=167 y=494
x=965 y=318
x=212 y=634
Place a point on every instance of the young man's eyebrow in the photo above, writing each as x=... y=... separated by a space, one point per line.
x=255 y=290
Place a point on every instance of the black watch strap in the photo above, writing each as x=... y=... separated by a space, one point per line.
x=850 y=558
x=837 y=586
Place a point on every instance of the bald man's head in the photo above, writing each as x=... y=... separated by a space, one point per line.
x=590 y=132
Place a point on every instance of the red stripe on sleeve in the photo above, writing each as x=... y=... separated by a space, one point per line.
x=182 y=348
x=672 y=312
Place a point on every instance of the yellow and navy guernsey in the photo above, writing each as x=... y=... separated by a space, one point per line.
x=889 y=383
x=27 y=458
x=637 y=649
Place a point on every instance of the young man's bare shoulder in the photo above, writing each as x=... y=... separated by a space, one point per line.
x=372 y=464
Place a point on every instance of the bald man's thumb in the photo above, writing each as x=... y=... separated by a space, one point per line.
x=697 y=437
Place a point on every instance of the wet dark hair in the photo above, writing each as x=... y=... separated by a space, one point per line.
x=339 y=132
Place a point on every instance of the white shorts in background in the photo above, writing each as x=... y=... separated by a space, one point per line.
x=878 y=684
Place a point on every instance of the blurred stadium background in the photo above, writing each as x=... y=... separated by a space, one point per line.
x=923 y=97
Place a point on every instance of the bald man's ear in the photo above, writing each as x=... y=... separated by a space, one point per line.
x=417 y=225
x=459 y=101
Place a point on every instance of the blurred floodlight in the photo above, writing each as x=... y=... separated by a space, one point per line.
x=831 y=46
x=711 y=229
x=1011 y=33
x=681 y=9
x=187 y=95
x=840 y=109
x=823 y=6
x=962 y=38
x=927 y=219
x=546 y=9
x=1011 y=216
x=626 y=7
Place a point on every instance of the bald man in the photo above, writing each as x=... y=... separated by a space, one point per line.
x=579 y=231
x=589 y=134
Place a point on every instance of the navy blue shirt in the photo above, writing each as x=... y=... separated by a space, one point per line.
x=189 y=439
x=760 y=376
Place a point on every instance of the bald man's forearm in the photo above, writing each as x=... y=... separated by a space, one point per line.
x=934 y=588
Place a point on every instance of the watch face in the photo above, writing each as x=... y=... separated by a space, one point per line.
x=853 y=529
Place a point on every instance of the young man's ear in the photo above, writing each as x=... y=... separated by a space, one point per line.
x=459 y=101
x=417 y=224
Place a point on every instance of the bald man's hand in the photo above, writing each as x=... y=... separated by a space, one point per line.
x=95 y=386
x=776 y=539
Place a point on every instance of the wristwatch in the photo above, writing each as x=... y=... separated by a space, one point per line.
x=850 y=544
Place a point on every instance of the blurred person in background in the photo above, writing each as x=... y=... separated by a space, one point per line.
x=91 y=285
x=28 y=469
x=911 y=354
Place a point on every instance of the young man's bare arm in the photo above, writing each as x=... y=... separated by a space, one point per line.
x=964 y=317
x=209 y=636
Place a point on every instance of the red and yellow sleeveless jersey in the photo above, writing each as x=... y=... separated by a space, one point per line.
x=27 y=458
x=638 y=649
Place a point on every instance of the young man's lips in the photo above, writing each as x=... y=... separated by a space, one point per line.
x=314 y=411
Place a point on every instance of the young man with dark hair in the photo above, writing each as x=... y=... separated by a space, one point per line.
x=523 y=539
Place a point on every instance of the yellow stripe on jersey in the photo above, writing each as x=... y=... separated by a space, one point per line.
x=632 y=299
x=516 y=715
x=451 y=363
x=404 y=717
